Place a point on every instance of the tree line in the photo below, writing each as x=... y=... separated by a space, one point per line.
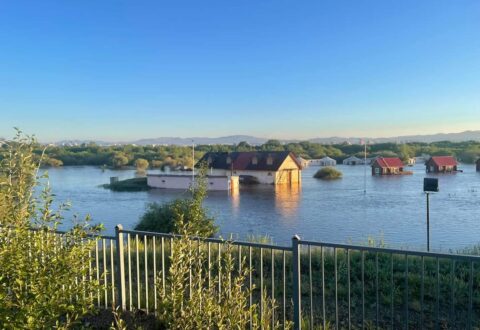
x=159 y=156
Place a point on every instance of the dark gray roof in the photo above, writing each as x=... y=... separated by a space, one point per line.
x=244 y=160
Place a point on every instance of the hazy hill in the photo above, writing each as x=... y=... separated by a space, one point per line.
x=235 y=139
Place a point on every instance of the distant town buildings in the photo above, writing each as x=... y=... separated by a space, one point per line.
x=267 y=167
x=387 y=166
x=441 y=164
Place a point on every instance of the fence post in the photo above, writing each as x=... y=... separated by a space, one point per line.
x=297 y=298
x=120 y=270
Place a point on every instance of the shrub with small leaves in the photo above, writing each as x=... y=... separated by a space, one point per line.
x=45 y=278
x=193 y=298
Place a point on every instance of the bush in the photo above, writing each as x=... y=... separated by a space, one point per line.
x=134 y=184
x=42 y=275
x=52 y=162
x=190 y=299
x=162 y=217
x=328 y=173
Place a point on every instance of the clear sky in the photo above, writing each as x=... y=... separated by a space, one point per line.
x=119 y=70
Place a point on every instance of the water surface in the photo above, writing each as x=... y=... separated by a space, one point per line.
x=393 y=209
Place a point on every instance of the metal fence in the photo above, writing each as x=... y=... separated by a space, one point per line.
x=315 y=285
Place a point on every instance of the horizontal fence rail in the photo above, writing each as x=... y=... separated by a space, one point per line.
x=315 y=285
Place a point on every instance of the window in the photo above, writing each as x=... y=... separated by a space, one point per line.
x=269 y=160
x=229 y=160
x=254 y=160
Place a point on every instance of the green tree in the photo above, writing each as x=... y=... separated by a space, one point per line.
x=119 y=159
x=141 y=164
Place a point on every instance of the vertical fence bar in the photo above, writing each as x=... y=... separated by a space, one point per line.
x=324 y=310
x=219 y=270
x=154 y=274
x=422 y=291
x=163 y=264
x=437 y=301
x=121 y=268
x=145 y=250
x=261 y=281
x=97 y=271
x=349 y=291
x=377 y=298
x=406 y=291
x=137 y=255
x=363 y=289
x=452 y=296
x=129 y=259
x=297 y=313
x=284 y=290
x=112 y=270
x=392 y=292
x=240 y=259
x=250 y=283
x=209 y=266
x=336 y=287
x=105 y=280
x=272 y=256
x=310 y=284
x=470 y=296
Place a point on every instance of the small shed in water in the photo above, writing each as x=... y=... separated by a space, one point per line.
x=441 y=164
x=387 y=166
x=327 y=161
x=352 y=160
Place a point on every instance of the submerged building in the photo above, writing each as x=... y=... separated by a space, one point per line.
x=441 y=164
x=267 y=167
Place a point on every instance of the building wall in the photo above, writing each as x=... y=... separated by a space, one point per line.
x=478 y=165
x=378 y=170
x=184 y=182
x=433 y=168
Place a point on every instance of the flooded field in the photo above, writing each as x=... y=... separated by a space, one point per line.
x=393 y=208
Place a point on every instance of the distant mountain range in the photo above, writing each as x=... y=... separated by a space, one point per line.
x=235 y=139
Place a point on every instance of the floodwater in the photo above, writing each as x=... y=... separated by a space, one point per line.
x=393 y=208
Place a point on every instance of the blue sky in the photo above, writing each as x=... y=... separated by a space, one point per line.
x=120 y=70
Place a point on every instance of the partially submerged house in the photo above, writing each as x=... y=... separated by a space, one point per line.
x=353 y=160
x=325 y=161
x=387 y=166
x=441 y=164
x=184 y=182
x=268 y=167
x=478 y=165
x=304 y=162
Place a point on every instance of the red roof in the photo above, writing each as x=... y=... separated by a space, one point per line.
x=444 y=160
x=389 y=162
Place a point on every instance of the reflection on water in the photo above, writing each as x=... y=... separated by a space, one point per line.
x=235 y=198
x=287 y=198
x=335 y=211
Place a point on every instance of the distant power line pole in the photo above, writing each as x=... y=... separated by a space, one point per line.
x=365 y=167
x=193 y=161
